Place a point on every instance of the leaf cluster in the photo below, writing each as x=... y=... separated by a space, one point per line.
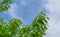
x=15 y=27
x=5 y=5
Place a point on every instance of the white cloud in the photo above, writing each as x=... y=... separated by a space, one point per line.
x=24 y=2
x=12 y=11
x=14 y=8
x=54 y=13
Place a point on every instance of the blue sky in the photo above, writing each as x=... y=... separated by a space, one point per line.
x=26 y=10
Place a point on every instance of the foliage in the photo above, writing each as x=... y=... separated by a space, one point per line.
x=39 y=25
x=9 y=29
x=15 y=27
x=37 y=28
x=5 y=5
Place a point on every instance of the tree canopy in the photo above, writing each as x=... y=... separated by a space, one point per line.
x=16 y=28
x=5 y=5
